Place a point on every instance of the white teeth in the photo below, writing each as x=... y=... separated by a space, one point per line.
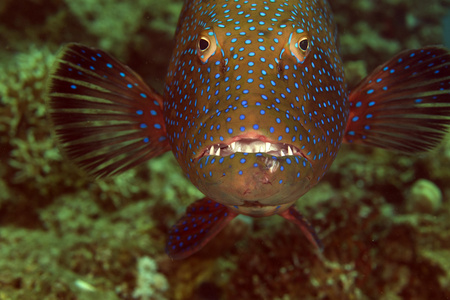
x=252 y=146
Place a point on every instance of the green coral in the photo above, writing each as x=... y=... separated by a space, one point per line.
x=424 y=196
x=122 y=21
x=372 y=32
x=150 y=283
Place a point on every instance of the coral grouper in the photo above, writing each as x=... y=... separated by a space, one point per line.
x=255 y=108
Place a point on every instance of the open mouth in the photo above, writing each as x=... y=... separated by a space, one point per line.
x=251 y=146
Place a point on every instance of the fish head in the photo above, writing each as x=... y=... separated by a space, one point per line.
x=255 y=101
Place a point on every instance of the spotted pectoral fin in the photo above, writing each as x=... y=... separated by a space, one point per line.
x=403 y=105
x=106 y=118
x=203 y=220
x=293 y=216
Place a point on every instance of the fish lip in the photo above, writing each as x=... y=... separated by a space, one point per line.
x=250 y=143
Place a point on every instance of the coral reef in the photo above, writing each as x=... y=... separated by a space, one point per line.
x=383 y=217
x=424 y=196
x=150 y=283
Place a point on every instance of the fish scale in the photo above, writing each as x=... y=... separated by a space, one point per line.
x=255 y=108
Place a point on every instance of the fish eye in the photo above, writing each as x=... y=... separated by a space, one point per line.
x=206 y=46
x=300 y=46
x=203 y=44
x=303 y=44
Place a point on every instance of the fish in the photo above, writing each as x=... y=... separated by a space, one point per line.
x=255 y=108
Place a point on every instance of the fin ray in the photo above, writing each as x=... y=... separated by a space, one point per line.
x=293 y=215
x=203 y=220
x=106 y=118
x=403 y=105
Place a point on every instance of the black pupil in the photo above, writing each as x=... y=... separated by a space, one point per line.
x=203 y=44
x=303 y=45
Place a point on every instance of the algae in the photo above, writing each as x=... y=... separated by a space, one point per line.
x=66 y=236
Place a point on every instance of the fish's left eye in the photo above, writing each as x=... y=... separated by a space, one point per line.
x=300 y=46
x=206 y=46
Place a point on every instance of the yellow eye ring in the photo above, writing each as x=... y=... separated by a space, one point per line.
x=303 y=44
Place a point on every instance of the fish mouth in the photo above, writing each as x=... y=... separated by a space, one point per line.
x=251 y=145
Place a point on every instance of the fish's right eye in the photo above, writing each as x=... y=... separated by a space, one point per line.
x=203 y=44
x=206 y=46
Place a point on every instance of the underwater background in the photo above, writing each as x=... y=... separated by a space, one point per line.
x=384 y=217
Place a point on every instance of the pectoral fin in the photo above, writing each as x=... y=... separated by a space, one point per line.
x=106 y=118
x=403 y=105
